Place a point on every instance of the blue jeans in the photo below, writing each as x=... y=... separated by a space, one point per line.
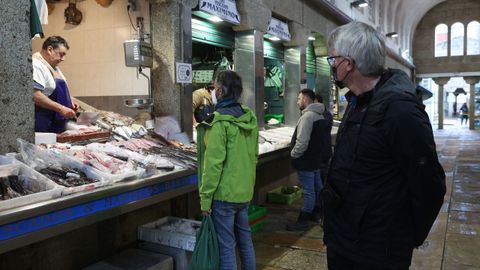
x=311 y=182
x=231 y=225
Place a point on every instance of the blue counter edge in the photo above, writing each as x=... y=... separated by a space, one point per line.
x=44 y=221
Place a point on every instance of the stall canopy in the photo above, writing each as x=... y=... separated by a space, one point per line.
x=213 y=34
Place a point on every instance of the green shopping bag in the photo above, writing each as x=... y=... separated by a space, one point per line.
x=205 y=254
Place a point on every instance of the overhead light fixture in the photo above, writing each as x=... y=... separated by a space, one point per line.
x=392 y=34
x=274 y=38
x=215 y=19
x=311 y=38
x=359 y=3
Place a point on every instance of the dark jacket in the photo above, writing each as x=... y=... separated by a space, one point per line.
x=387 y=176
x=311 y=140
x=326 y=139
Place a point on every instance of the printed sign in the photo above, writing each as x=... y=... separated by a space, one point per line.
x=225 y=9
x=202 y=76
x=184 y=73
x=278 y=29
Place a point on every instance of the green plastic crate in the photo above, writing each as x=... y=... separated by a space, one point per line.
x=277 y=196
x=258 y=226
x=255 y=212
x=256 y=217
x=279 y=117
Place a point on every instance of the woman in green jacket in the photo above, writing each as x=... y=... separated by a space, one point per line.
x=227 y=156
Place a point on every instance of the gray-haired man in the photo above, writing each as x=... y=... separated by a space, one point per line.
x=385 y=185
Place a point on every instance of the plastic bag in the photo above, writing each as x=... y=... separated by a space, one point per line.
x=206 y=254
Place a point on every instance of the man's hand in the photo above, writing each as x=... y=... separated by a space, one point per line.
x=75 y=106
x=44 y=102
x=207 y=213
x=67 y=112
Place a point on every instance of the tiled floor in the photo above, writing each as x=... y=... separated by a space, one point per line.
x=453 y=243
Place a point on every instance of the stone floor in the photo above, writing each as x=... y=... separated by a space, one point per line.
x=453 y=243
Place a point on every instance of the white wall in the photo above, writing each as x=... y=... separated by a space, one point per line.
x=95 y=64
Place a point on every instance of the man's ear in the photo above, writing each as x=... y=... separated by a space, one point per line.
x=351 y=64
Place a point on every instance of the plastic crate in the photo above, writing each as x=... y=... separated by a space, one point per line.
x=255 y=212
x=43 y=188
x=279 y=117
x=167 y=231
x=278 y=196
x=258 y=226
x=134 y=259
x=256 y=217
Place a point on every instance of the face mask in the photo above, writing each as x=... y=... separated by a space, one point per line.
x=340 y=84
x=214 y=97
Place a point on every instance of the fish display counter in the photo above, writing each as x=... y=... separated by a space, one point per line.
x=92 y=182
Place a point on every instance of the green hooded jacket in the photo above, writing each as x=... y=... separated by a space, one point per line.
x=227 y=149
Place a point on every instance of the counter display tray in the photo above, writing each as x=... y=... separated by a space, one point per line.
x=109 y=178
x=70 y=163
x=63 y=138
x=43 y=188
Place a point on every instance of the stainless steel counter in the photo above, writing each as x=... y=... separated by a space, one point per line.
x=32 y=223
x=36 y=222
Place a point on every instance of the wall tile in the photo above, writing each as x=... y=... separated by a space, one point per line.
x=95 y=64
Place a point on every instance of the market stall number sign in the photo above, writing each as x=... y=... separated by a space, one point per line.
x=225 y=9
x=184 y=73
x=278 y=29
x=29 y=225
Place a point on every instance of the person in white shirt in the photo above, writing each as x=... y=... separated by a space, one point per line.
x=53 y=103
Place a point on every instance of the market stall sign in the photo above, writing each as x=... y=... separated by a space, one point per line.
x=224 y=9
x=279 y=29
x=40 y=222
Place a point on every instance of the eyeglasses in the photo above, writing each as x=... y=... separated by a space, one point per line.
x=331 y=60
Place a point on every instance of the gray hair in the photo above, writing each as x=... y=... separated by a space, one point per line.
x=362 y=43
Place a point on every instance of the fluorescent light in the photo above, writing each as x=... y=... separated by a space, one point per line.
x=215 y=19
x=274 y=38
x=311 y=38
x=392 y=34
x=359 y=3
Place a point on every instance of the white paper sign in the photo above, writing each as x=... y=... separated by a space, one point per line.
x=225 y=9
x=184 y=73
x=278 y=29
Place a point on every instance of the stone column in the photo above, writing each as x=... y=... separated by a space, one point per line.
x=16 y=93
x=249 y=65
x=471 y=107
x=171 y=32
x=293 y=71
x=248 y=54
x=441 y=81
x=295 y=50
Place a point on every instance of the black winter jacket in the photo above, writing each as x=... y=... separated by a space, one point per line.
x=385 y=185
